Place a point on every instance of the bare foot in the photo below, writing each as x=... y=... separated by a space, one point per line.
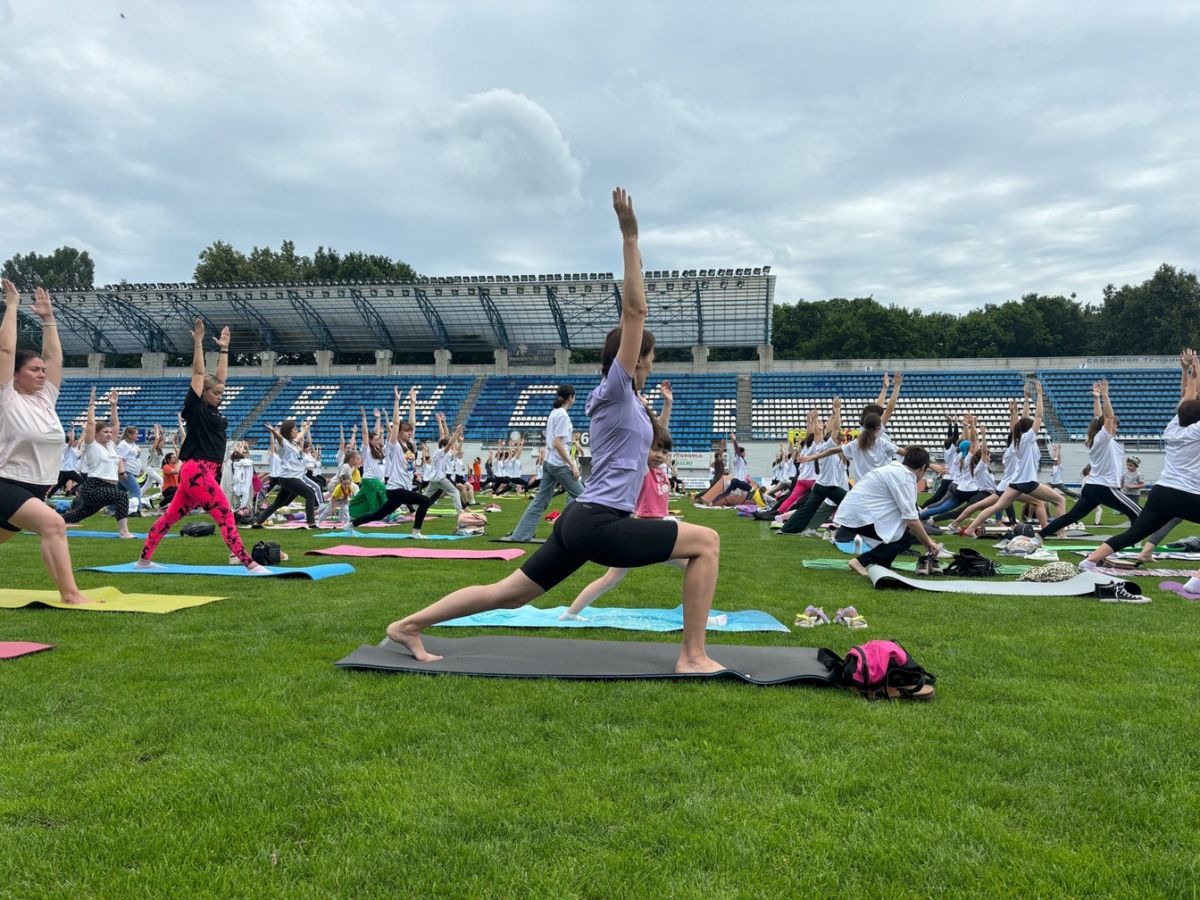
x=75 y=599
x=126 y=535
x=410 y=639
x=859 y=568
x=703 y=665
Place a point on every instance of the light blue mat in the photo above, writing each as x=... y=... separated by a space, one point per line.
x=314 y=573
x=848 y=546
x=385 y=536
x=614 y=617
x=84 y=533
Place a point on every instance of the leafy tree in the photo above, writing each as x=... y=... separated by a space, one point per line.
x=63 y=269
x=221 y=263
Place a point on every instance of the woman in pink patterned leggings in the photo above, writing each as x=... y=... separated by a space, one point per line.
x=203 y=452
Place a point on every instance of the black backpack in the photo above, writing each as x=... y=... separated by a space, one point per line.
x=266 y=553
x=969 y=563
x=198 y=529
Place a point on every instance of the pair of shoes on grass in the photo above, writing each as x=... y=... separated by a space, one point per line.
x=929 y=565
x=813 y=616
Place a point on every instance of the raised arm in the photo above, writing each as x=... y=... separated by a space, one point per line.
x=1025 y=405
x=394 y=429
x=1040 y=409
x=8 y=332
x=1189 y=381
x=668 y=402
x=89 y=427
x=341 y=443
x=1110 y=417
x=222 y=342
x=833 y=427
x=883 y=391
x=1012 y=415
x=366 y=435
x=412 y=407
x=891 y=406
x=113 y=399
x=52 y=354
x=633 y=296
x=198 y=358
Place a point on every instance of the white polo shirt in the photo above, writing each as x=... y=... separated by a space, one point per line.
x=885 y=497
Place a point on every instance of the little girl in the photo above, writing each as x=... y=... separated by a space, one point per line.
x=651 y=504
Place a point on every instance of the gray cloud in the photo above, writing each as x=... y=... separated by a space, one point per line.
x=940 y=155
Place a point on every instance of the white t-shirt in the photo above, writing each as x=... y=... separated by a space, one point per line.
x=1182 y=467
x=1107 y=458
x=243 y=477
x=438 y=463
x=884 y=497
x=805 y=471
x=70 y=459
x=953 y=465
x=1056 y=473
x=558 y=425
x=789 y=468
x=372 y=467
x=1009 y=459
x=101 y=460
x=31 y=436
x=833 y=468
x=132 y=454
x=397 y=467
x=1027 y=459
x=740 y=468
x=291 y=460
x=966 y=482
x=984 y=481
x=879 y=454
x=273 y=465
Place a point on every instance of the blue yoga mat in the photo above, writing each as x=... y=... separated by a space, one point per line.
x=848 y=546
x=314 y=573
x=385 y=536
x=614 y=617
x=84 y=533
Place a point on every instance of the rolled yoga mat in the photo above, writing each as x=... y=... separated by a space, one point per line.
x=390 y=536
x=613 y=617
x=313 y=573
x=521 y=657
x=13 y=649
x=415 y=552
x=112 y=599
x=1083 y=583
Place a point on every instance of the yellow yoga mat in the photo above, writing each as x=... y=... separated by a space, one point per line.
x=113 y=600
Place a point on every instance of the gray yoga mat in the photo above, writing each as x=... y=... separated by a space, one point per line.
x=1083 y=583
x=522 y=657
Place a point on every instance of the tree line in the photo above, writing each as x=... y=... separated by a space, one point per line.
x=1158 y=316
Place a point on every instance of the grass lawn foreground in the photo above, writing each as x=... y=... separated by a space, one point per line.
x=216 y=751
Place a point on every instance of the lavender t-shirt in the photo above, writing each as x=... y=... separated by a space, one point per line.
x=620 y=435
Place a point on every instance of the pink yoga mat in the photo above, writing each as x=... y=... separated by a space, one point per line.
x=1176 y=588
x=13 y=649
x=417 y=552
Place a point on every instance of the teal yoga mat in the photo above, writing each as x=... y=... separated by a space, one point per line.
x=84 y=533
x=614 y=617
x=313 y=573
x=388 y=536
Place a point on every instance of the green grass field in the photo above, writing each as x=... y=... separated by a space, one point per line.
x=216 y=751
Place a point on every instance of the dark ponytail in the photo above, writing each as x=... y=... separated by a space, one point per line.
x=566 y=393
x=871 y=423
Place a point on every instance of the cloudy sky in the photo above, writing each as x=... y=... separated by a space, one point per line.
x=932 y=154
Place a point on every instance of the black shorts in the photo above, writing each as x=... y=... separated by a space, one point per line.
x=14 y=495
x=1025 y=487
x=588 y=532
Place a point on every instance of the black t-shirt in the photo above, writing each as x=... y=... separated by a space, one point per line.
x=206 y=429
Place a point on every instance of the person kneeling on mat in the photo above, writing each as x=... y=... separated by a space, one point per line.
x=883 y=506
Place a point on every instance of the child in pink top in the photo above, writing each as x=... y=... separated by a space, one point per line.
x=651 y=504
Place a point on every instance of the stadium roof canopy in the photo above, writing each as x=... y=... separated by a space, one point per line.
x=523 y=314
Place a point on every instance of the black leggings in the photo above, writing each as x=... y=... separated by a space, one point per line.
x=63 y=477
x=1091 y=496
x=93 y=496
x=943 y=487
x=804 y=513
x=735 y=484
x=289 y=489
x=883 y=554
x=397 y=497
x=1164 y=504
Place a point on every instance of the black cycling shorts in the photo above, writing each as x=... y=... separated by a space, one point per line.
x=14 y=495
x=588 y=532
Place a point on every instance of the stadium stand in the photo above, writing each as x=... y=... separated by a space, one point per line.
x=705 y=407
x=1143 y=399
x=336 y=400
x=781 y=400
x=146 y=402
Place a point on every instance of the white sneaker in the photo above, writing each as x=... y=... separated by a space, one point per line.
x=256 y=569
x=148 y=565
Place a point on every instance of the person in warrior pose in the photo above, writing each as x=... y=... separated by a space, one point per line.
x=598 y=526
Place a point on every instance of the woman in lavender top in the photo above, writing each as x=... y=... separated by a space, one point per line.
x=598 y=526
